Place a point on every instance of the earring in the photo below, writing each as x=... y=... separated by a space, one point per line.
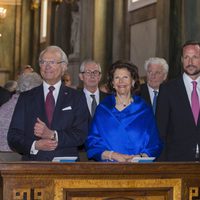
x=133 y=83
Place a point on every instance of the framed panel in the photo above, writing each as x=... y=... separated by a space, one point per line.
x=118 y=189
x=136 y=4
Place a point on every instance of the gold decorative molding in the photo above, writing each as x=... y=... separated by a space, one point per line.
x=10 y=2
x=91 y=184
x=28 y=194
x=193 y=192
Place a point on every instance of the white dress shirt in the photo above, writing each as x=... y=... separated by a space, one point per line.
x=89 y=98
x=189 y=86
x=151 y=93
x=55 y=95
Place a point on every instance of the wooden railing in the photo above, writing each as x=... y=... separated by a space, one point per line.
x=100 y=181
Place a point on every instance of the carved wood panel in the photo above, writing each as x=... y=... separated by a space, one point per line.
x=107 y=189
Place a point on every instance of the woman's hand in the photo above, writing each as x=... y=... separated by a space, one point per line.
x=121 y=157
x=114 y=156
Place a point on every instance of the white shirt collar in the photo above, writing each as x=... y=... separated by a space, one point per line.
x=151 y=93
x=88 y=93
x=189 y=87
x=55 y=92
x=89 y=98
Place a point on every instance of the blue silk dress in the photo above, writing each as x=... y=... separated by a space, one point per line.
x=130 y=131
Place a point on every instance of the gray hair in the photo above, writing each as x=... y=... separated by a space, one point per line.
x=11 y=85
x=28 y=81
x=85 y=62
x=55 y=49
x=156 y=60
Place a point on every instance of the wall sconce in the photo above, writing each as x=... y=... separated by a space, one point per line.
x=2 y=12
x=35 y=4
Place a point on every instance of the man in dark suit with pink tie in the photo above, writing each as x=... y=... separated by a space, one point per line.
x=50 y=120
x=178 y=109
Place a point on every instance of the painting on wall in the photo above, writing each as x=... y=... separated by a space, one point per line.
x=136 y=4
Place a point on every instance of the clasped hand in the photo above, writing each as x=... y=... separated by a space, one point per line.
x=46 y=143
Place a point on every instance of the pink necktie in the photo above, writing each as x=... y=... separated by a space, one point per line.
x=50 y=104
x=195 y=101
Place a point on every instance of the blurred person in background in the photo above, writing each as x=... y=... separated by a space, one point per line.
x=24 y=83
x=90 y=75
x=5 y=95
x=156 y=72
x=67 y=80
x=11 y=86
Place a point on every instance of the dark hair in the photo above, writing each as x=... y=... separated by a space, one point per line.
x=121 y=64
x=189 y=42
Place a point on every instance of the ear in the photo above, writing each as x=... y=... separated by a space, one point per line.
x=133 y=83
x=165 y=76
x=81 y=76
x=64 y=68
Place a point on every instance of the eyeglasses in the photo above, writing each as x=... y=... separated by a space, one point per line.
x=157 y=73
x=90 y=73
x=50 y=62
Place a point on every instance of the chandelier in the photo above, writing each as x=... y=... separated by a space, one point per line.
x=2 y=12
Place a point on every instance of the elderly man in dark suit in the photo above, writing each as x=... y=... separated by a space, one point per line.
x=156 y=72
x=90 y=74
x=178 y=109
x=50 y=120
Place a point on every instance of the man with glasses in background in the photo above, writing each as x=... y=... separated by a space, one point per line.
x=50 y=120
x=90 y=74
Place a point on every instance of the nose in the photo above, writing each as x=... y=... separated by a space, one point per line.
x=48 y=65
x=152 y=75
x=121 y=80
x=190 y=61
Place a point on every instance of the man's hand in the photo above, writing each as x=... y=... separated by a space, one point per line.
x=42 y=131
x=46 y=145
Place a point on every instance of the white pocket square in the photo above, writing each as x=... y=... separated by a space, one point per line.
x=67 y=108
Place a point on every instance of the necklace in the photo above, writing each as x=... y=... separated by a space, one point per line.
x=123 y=103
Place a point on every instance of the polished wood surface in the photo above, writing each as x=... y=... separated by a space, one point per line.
x=100 y=181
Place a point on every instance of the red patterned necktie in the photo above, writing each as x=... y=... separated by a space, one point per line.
x=50 y=104
x=195 y=101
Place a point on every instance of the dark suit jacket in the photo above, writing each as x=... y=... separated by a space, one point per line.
x=176 y=123
x=4 y=95
x=71 y=123
x=102 y=95
x=144 y=92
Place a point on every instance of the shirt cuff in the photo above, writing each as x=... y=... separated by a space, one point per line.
x=55 y=136
x=33 y=150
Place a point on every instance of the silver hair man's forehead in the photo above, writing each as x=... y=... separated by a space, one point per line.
x=157 y=60
x=85 y=62
x=55 y=49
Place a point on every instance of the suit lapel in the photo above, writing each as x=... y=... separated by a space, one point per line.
x=40 y=101
x=146 y=93
x=63 y=96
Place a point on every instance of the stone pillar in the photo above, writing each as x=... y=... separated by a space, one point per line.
x=102 y=47
x=191 y=20
x=100 y=31
x=163 y=13
x=118 y=30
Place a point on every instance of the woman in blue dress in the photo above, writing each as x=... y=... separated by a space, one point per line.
x=123 y=126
